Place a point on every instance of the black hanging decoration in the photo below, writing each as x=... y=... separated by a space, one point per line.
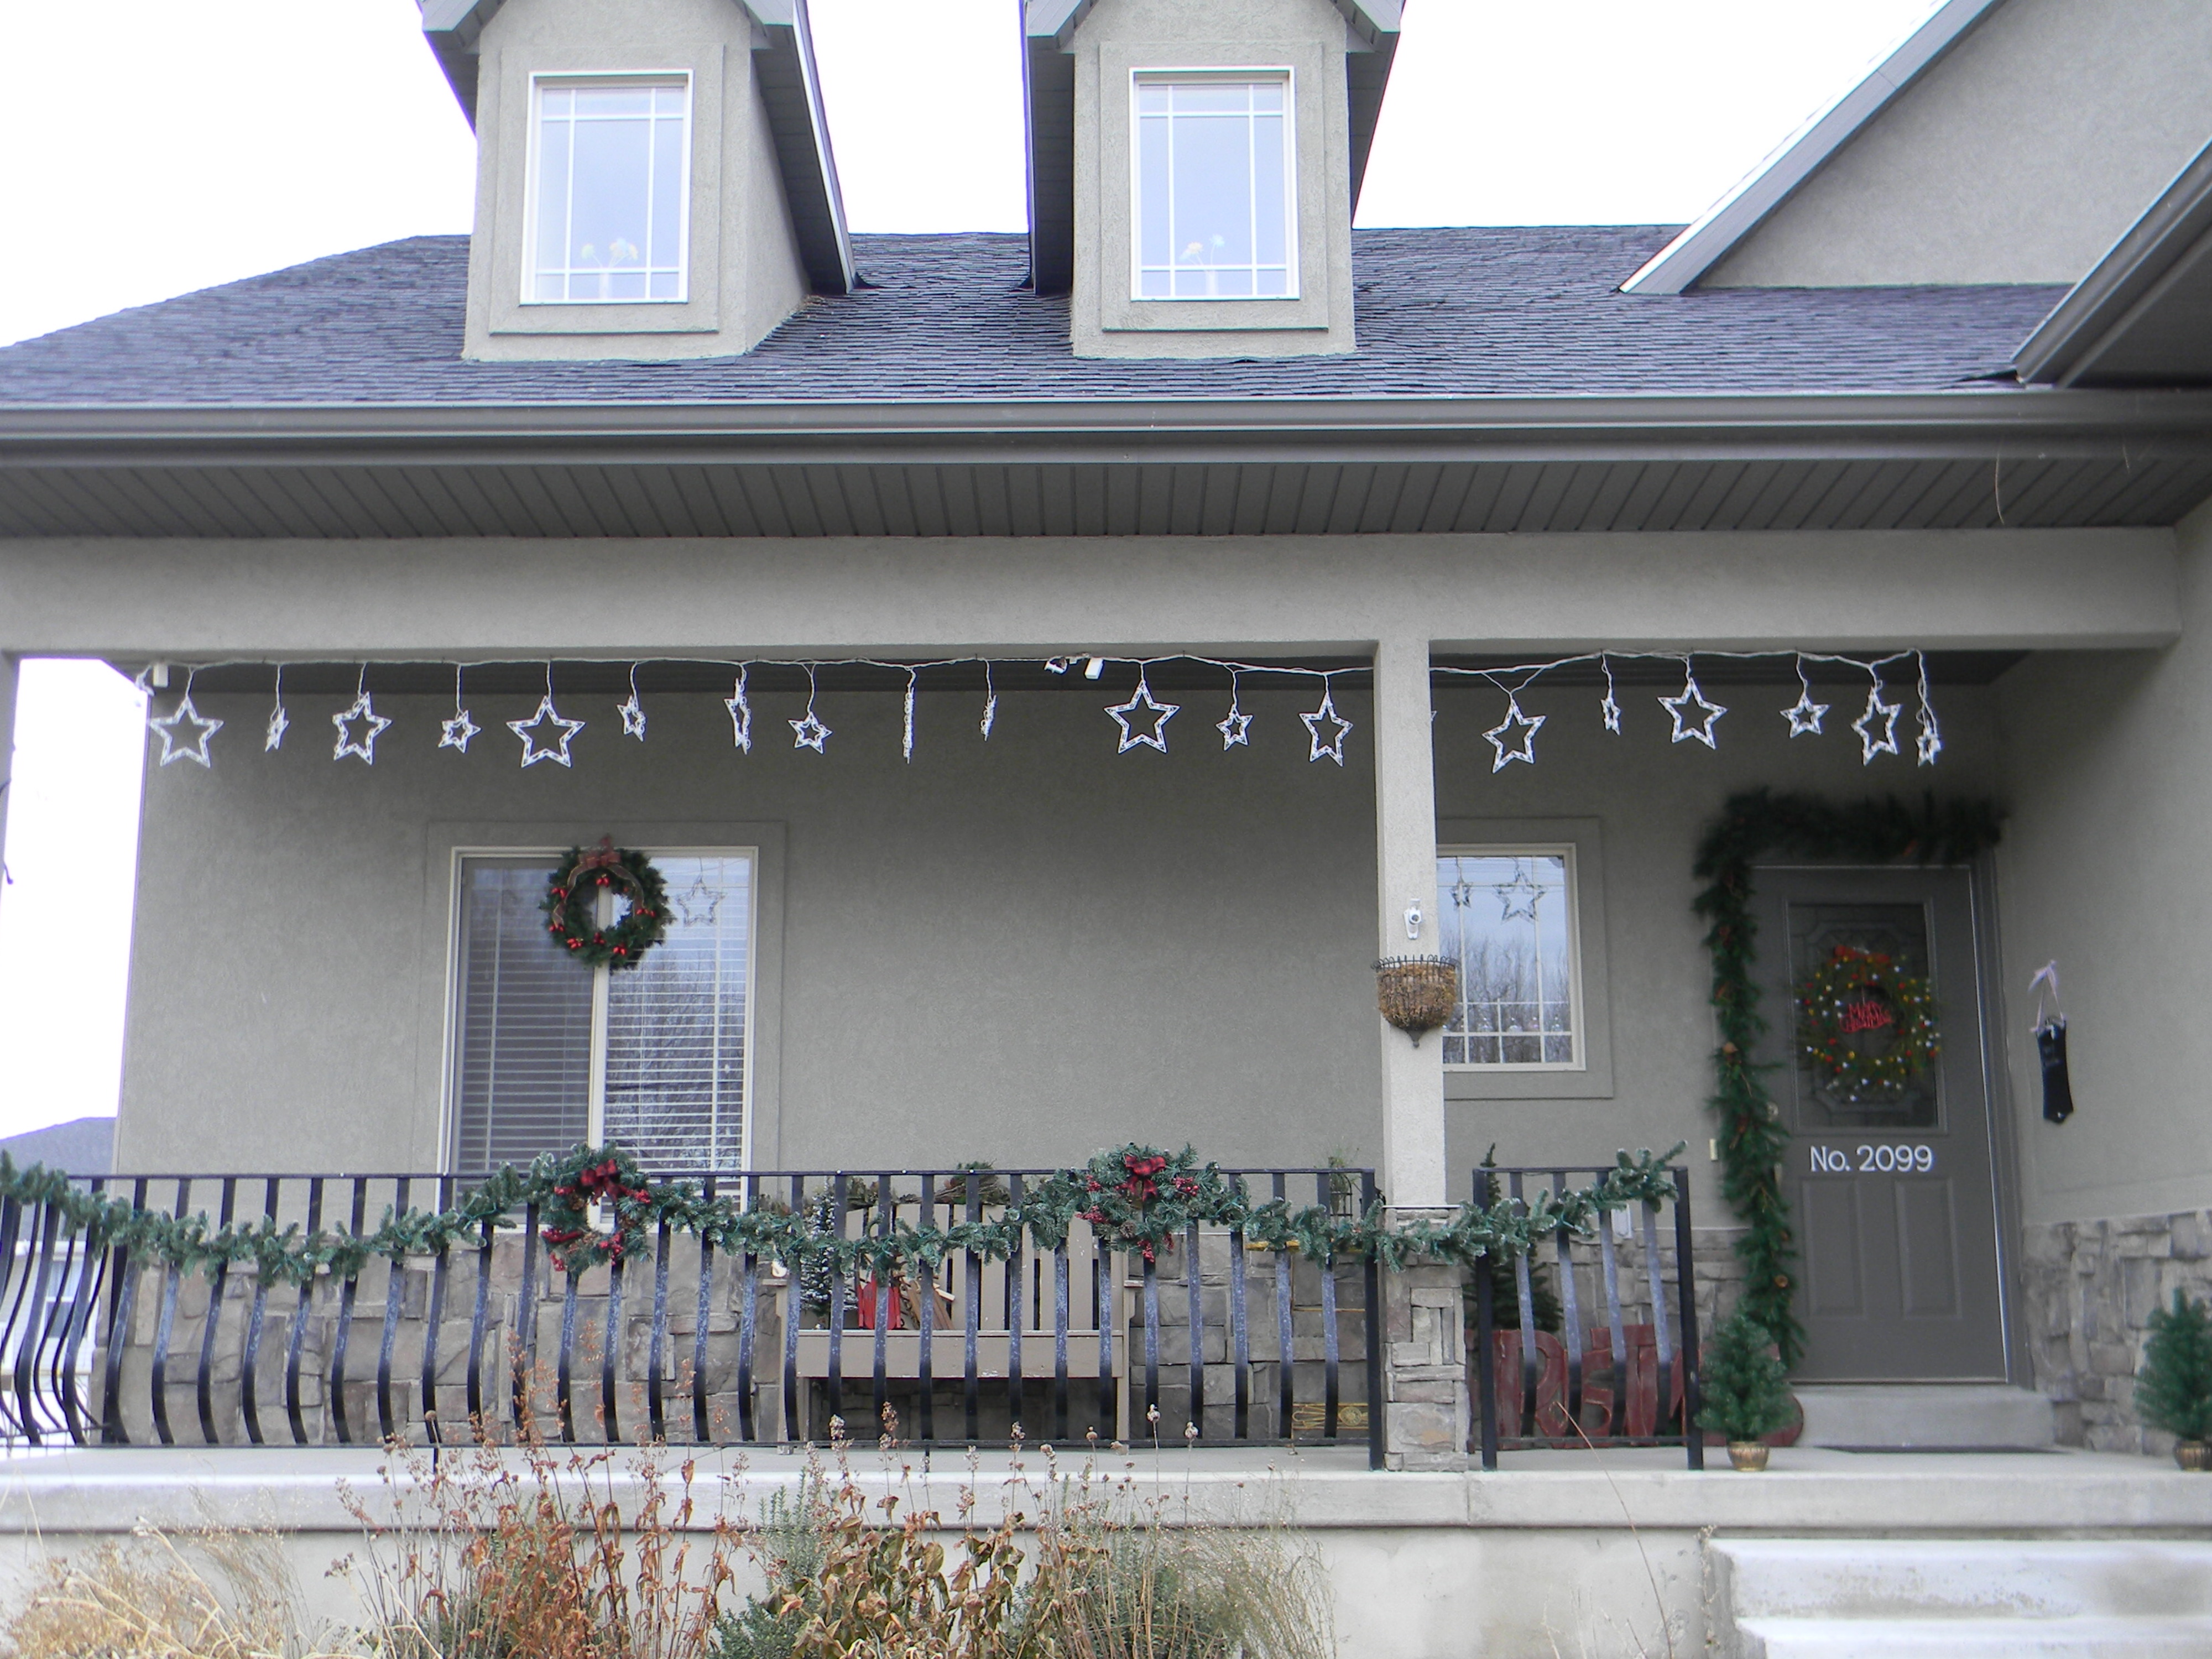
x=2050 y=1046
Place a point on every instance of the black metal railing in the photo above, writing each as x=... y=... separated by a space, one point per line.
x=1630 y=1380
x=1218 y=1341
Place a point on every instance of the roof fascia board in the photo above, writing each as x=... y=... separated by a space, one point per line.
x=2124 y=283
x=792 y=85
x=1682 y=262
x=452 y=28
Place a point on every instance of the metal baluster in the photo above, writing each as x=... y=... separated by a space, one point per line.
x=562 y=1396
x=1329 y=1351
x=701 y=1428
x=395 y=1296
x=1570 y=1316
x=1371 y=1328
x=1152 y=1346
x=1485 y=1364
x=204 y=1380
x=1661 y=1337
x=1017 y=1276
x=523 y=1362
x=1060 y=1340
x=748 y=1315
x=347 y=1295
x=1532 y=1363
x=1616 y=1323
x=29 y=1327
x=1102 y=1272
x=91 y=1273
x=925 y=1425
x=1194 y=1282
x=794 y=1294
x=1686 y=1287
x=610 y=1347
x=164 y=1324
x=12 y=1218
x=478 y=1424
x=123 y=1304
x=886 y=1210
x=1285 y=1340
x=295 y=1341
x=435 y=1318
x=972 y=1295
x=1240 y=1336
x=657 y=1348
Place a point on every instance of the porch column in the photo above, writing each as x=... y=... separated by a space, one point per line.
x=1412 y=1173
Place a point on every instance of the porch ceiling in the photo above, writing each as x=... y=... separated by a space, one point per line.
x=1960 y=459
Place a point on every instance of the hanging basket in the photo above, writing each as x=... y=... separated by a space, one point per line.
x=1416 y=995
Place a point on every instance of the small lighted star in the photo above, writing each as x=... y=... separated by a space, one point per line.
x=1698 y=729
x=741 y=715
x=456 y=732
x=1237 y=730
x=363 y=748
x=1518 y=896
x=1138 y=732
x=1805 y=715
x=1610 y=710
x=1333 y=748
x=279 y=724
x=1930 y=744
x=633 y=718
x=1514 y=737
x=809 y=734
x=185 y=732
x=545 y=735
x=1882 y=714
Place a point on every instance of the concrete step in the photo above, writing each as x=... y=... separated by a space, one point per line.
x=1965 y=1577
x=1973 y=1638
x=1926 y=1417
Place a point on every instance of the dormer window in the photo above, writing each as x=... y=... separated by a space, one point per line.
x=1214 y=187
x=610 y=160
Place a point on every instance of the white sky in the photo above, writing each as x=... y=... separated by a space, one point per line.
x=240 y=138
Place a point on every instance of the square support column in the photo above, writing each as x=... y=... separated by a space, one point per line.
x=1412 y=1170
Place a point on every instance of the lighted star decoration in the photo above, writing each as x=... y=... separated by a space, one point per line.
x=1518 y=896
x=1143 y=721
x=809 y=733
x=1930 y=741
x=697 y=904
x=906 y=730
x=741 y=715
x=545 y=735
x=363 y=747
x=632 y=712
x=1235 y=728
x=1805 y=715
x=1691 y=726
x=990 y=702
x=1611 y=707
x=1877 y=727
x=1331 y=748
x=185 y=732
x=455 y=734
x=279 y=722
x=1514 y=737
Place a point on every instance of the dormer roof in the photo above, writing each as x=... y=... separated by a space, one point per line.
x=783 y=57
x=1049 y=92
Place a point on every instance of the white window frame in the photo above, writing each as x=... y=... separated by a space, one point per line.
x=1139 y=78
x=1567 y=853
x=539 y=82
x=595 y=1111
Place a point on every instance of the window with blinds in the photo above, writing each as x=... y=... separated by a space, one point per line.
x=548 y=1054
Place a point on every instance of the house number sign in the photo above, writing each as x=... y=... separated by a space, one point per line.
x=1869 y=1159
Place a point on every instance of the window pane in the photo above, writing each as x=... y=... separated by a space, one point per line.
x=613 y=101
x=612 y=169
x=1152 y=198
x=1507 y=920
x=666 y=232
x=525 y=1014
x=676 y=1024
x=1213 y=219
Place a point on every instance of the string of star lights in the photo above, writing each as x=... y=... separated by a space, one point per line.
x=1140 y=721
x=1695 y=717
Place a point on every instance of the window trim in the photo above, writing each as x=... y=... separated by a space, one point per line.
x=1287 y=74
x=1592 y=1077
x=752 y=849
x=540 y=81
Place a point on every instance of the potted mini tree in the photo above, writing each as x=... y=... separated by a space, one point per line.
x=2173 y=1388
x=1746 y=1390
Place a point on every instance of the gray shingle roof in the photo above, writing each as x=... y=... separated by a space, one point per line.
x=1519 y=311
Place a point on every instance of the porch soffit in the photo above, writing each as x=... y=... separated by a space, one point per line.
x=1938 y=460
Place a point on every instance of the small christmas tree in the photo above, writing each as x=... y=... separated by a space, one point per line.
x=2173 y=1389
x=1745 y=1386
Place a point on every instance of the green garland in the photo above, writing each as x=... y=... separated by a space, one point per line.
x=1752 y=1141
x=1849 y=985
x=1138 y=1198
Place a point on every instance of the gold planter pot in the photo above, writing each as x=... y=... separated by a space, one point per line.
x=2194 y=1455
x=1748 y=1455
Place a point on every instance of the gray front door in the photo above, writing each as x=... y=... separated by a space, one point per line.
x=1893 y=1192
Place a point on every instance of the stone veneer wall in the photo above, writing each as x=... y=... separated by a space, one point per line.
x=2090 y=1287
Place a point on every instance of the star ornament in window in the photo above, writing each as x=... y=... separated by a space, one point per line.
x=1331 y=747
x=1514 y=737
x=545 y=735
x=185 y=732
x=1143 y=721
x=363 y=746
x=697 y=904
x=1518 y=896
x=1693 y=713
x=1877 y=727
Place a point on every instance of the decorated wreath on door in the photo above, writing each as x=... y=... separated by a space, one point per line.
x=1865 y=1027
x=572 y=904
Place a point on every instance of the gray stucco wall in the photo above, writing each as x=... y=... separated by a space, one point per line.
x=2107 y=867
x=2019 y=157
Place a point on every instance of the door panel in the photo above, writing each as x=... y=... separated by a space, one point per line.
x=1894 y=1191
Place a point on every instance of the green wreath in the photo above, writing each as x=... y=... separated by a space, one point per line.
x=1866 y=1028
x=571 y=904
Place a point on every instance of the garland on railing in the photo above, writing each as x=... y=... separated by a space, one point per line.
x=1139 y=1200
x=1754 y=1140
